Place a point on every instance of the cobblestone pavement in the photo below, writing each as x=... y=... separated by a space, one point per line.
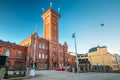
x=64 y=75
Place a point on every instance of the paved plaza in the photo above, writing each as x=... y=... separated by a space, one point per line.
x=64 y=75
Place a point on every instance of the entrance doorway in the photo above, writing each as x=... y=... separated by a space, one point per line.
x=54 y=65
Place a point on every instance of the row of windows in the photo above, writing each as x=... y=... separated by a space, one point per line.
x=7 y=53
x=42 y=56
x=43 y=46
x=61 y=58
x=61 y=51
x=115 y=66
x=61 y=65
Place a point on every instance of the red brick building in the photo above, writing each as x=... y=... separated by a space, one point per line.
x=16 y=54
x=45 y=53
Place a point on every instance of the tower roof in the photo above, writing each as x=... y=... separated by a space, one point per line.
x=95 y=48
x=52 y=12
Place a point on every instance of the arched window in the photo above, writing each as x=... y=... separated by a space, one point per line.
x=7 y=53
x=19 y=54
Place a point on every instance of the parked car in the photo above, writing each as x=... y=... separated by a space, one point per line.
x=69 y=69
x=63 y=69
x=60 y=69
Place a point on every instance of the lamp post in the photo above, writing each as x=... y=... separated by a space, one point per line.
x=103 y=61
x=73 y=36
x=102 y=53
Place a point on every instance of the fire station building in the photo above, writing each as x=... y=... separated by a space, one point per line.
x=44 y=53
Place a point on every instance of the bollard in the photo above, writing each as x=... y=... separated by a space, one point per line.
x=2 y=73
x=73 y=69
x=28 y=73
x=79 y=69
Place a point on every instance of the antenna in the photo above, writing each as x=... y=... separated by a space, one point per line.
x=58 y=10
x=50 y=4
x=43 y=10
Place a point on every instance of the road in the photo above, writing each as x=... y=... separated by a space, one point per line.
x=64 y=75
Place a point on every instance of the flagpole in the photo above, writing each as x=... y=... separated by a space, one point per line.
x=35 y=46
x=75 y=51
x=34 y=51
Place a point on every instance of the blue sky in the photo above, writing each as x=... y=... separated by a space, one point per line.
x=18 y=19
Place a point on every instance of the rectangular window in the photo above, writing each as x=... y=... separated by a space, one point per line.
x=46 y=47
x=41 y=46
x=39 y=56
x=42 y=56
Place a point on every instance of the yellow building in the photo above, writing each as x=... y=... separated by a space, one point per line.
x=99 y=56
x=118 y=60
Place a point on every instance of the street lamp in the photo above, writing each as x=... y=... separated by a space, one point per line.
x=102 y=53
x=103 y=61
x=73 y=36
